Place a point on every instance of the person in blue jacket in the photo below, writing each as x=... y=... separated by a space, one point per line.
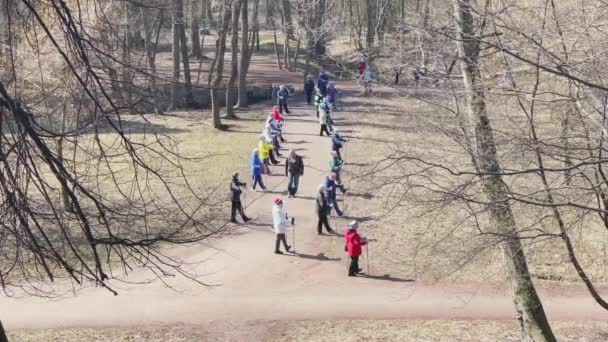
x=331 y=184
x=282 y=98
x=309 y=88
x=337 y=142
x=323 y=81
x=257 y=168
x=332 y=95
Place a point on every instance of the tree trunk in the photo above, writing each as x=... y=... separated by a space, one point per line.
x=276 y=45
x=294 y=63
x=195 y=18
x=531 y=314
x=246 y=52
x=184 y=52
x=234 y=47
x=286 y=51
x=215 y=79
x=126 y=62
x=175 y=47
x=3 y=337
x=150 y=49
x=371 y=24
x=287 y=19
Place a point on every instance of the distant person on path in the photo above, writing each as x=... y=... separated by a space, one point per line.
x=294 y=168
x=368 y=78
x=324 y=118
x=323 y=209
x=318 y=99
x=335 y=165
x=309 y=88
x=235 y=197
x=354 y=242
x=257 y=168
x=361 y=67
x=322 y=81
x=332 y=95
x=337 y=142
x=282 y=98
x=417 y=74
x=280 y=221
x=331 y=183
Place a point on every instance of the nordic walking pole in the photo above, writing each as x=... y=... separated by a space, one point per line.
x=293 y=234
x=367 y=257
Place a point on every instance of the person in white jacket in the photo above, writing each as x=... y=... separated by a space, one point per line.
x=325 y=118
x=280 y=219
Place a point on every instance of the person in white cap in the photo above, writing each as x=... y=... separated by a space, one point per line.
x=354 y=242
x=280 y=220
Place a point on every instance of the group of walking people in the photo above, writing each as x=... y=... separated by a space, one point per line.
x=267 y=154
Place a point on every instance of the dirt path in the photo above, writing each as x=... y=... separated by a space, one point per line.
x=259 y=285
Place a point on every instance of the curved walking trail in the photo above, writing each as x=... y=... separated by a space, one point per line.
x=256 y=284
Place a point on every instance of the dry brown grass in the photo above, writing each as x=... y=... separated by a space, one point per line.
x=318 y=331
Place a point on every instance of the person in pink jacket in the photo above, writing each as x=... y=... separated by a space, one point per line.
x=354 y=242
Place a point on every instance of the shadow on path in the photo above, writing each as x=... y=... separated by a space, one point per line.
x=386 y=277
x=320 y=257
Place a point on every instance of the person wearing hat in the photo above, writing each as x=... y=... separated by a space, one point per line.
x=309 y=88
x=280 y=221
x=257 y=168
x=323 y=209
x=235 y=197
x=354 y=242
x=282 y=97
x=337 y=142
x=330 y=192
x=294 y=168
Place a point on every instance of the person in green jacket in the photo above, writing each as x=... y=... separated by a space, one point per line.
x=335 y=165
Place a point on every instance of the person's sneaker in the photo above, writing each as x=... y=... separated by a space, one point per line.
x=234 y=221
x=340 y=214
x=352 y=274
x=288 y=249
x=359 y=270
x=247 y=219
x=331 y=231
x=278 y=252
x=319 y=233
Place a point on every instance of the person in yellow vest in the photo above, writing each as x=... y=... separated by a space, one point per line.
x=265 y=153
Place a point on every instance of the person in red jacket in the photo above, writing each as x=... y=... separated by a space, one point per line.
x=353 y=247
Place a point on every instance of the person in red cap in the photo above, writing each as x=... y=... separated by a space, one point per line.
x=280 y=220
x=353 y=247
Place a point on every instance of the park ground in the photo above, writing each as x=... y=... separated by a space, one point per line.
x=416 y=288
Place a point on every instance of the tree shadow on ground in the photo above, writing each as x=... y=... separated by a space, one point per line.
x=320 y=257
x=358 y=164
x=137 y=127
x=366 y=195
x=387 y=277
x=360 y=219
x=299 y=142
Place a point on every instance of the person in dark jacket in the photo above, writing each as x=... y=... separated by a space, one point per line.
x=235 y=197
x=323 y=209
x=322 y=82
x=331 y=194
x=282 y=98
x=354 y=242
x=294 y=168
x=309 y=88
x=337 y=142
